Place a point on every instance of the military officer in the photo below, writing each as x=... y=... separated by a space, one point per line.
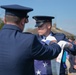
x=17 y=49
x=44 y=24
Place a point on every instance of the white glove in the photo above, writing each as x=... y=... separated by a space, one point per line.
x=65 y=44
x=62 y=43
x=69 y=45
x=49 y=39
x=46 y=41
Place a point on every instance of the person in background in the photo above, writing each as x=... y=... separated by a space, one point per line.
x=18 y=50
x=44 y=25
x=72 y=59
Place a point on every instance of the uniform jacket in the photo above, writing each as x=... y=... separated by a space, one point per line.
x=18 y=51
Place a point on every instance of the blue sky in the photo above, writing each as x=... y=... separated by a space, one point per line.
x=64 y=12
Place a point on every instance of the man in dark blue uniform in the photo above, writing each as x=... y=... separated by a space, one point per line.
x=18 y=50
x=44 y=24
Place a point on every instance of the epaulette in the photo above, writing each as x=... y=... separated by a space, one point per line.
x=60 y=34
x=27 y=33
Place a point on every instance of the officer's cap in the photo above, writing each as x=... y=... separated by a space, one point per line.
x=42 y=19
x=16 y=10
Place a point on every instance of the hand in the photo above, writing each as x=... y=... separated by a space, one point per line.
x=65 y=44
x=62 y=43
x=51 y=39
x=68 y=45
x=74 y=66
x=46 y=41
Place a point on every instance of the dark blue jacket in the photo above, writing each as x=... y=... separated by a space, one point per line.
x=18 y=51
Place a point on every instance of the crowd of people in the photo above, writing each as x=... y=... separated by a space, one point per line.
x=29 y=54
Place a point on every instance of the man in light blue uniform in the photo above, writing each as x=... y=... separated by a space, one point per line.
x=44 y=24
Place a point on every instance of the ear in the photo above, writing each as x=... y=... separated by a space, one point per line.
x=49 y=26
x=23 y=21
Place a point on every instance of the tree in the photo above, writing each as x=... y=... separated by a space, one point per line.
x=1 y=23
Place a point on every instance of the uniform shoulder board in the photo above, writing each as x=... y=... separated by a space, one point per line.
x=60 y=34
x=27 y=33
